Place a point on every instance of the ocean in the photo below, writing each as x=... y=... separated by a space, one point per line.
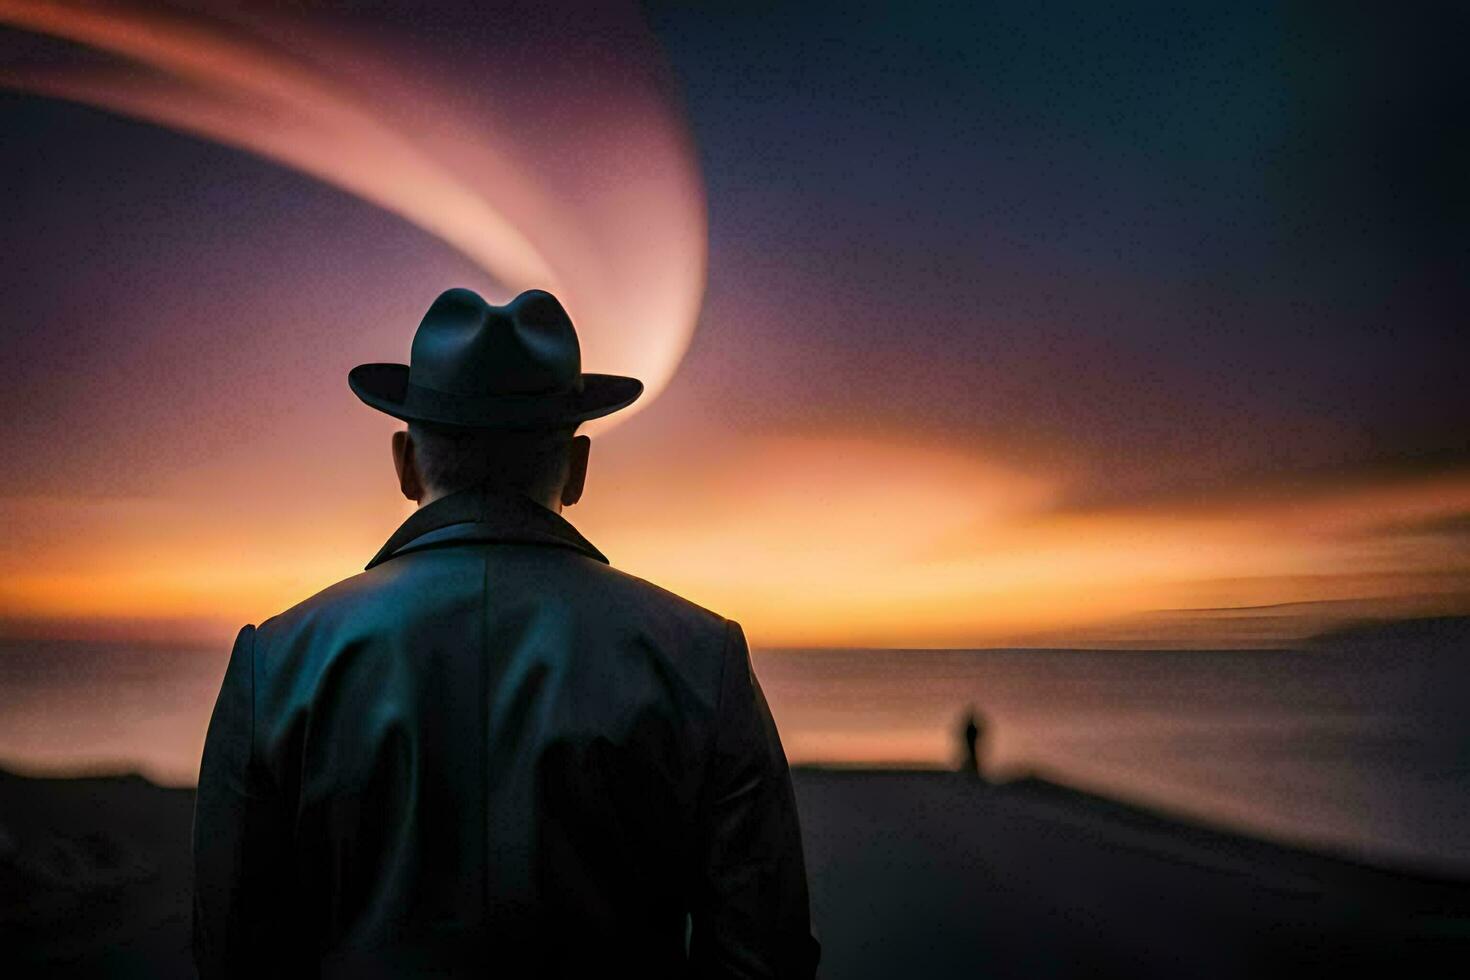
x=1359 y=746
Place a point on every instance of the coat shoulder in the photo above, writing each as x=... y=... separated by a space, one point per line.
x=337 y=599
x=640 y=593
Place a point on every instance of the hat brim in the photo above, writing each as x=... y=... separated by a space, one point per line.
x=386 y=388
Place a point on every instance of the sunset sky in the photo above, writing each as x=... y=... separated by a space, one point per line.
x=1061 y=326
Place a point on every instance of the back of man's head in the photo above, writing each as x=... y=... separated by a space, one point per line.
x=452 y=458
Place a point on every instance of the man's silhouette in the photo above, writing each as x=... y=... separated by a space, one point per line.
x=491 y=752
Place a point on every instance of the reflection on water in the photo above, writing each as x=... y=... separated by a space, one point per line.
x=106 y=707
x=1360 y=745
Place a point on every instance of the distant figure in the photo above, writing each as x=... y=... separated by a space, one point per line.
x=973 y=731
x=491 y=753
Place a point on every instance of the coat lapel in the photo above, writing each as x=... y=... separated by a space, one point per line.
x=484 y=514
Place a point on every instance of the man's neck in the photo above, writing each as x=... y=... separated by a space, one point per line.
x=552 y=503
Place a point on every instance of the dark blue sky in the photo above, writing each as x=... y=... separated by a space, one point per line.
x=1197 y=243
x=1158 y=247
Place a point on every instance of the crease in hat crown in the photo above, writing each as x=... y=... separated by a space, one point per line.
x=473 y=363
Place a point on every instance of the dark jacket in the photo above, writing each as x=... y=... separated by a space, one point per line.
x=493 y=753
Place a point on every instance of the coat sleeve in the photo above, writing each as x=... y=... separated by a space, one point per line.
x=750 y=915
x=241 y=863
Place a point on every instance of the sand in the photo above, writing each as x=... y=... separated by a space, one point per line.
x=913 y=874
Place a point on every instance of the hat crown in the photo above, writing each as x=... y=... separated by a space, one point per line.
x=477 y=365
x=466 y=346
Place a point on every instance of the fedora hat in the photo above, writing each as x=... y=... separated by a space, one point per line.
x=476 y=364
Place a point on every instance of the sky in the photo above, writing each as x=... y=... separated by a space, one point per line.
x=964 y=325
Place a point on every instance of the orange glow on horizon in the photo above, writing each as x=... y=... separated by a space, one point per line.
x=823 y=542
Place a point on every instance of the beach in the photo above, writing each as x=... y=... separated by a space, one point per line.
x=1141 y=813
x=923 y=874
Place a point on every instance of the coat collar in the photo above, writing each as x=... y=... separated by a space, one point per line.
x=484 y=514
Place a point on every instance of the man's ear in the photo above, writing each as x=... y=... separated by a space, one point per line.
x=571 y=491
x=406 y=463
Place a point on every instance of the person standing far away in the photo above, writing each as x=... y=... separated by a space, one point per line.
x=971 y=734
x=491 y=752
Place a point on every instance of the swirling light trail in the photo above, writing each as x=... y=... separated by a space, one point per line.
x=630 y=267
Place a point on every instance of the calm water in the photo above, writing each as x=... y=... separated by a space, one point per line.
x=1363 y=748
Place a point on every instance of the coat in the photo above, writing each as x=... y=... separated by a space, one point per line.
x=492 y=753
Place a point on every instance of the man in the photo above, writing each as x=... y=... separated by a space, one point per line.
x=491 y=752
